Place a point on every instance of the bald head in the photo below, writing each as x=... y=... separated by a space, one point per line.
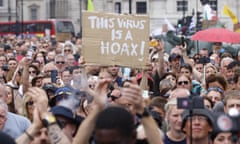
x=179 y=93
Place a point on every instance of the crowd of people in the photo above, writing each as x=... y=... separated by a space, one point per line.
x=50 y=95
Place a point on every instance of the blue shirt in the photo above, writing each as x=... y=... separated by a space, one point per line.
x=15 y=125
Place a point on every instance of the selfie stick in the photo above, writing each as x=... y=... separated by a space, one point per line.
x=190 y=114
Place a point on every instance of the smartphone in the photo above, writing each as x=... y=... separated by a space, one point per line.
x=145 y=94
x=54 y=74
x=29 y=54
x=5 y=67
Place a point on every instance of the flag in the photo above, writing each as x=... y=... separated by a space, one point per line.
x=90 y=6
x=192 y=24
x=228 y=12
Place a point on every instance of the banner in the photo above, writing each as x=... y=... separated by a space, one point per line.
x=113 y=39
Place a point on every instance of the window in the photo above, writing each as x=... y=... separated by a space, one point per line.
x=33 y=14
x=182 y=5
x=4 y=27
x=64 y=26
x=117 y=7
x=213 y=4
x=33 y=11
x=1 y=3
x=141 y=8
x=52 y=8
x=37 y=26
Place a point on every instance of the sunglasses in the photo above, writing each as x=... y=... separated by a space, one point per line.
x=91 y=86
x=182 y=82
x=67 y=50
x=60 y=62
x=113 y=98
x=29 y=103
x=33 y=72
x=61 y=97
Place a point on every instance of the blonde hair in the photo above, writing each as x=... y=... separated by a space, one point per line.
x=24 y=111
x=168 y=109
x=209 y=65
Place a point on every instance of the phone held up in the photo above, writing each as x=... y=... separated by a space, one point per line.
x=54 y=75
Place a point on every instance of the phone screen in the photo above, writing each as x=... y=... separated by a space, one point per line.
x=54 y=74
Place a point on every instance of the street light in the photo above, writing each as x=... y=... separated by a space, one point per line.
x=130 y=6
x=17 y=25
x=22 y=18
x=80 y=17
x=9 y=15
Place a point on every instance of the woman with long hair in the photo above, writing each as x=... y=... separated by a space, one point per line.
x=174 y=135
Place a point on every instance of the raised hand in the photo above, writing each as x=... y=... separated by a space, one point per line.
x=40 y=99
x=100 y=93
x=133 y=94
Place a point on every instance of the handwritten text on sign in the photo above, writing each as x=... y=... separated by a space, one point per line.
x=120 y=39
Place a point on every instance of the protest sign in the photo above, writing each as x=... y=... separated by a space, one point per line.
x=113 y=39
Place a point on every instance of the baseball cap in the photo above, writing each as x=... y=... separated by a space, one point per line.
x=66 y=113
x=60 y=93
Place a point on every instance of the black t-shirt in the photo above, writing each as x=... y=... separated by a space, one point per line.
x=169 y=141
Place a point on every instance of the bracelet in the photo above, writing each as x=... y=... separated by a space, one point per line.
x=29 y=136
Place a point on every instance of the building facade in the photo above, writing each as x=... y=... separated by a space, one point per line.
x=71 y=9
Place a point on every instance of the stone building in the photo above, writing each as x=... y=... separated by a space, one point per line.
x=70 y=9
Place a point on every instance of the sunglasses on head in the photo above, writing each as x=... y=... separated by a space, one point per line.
x=215 y=89
x=182 y=82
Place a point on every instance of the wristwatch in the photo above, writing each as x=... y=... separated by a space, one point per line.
x=48 y=120
x=146 y=113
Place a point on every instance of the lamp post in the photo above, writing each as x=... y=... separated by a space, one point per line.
x=80 y=17
x=17 y=20
x=184 y=10
x=22 y=24
x=130 y=6
x=9 y=15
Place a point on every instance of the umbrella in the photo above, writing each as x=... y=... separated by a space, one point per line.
x=217 y=35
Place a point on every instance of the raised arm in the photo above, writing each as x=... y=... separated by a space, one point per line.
x=133 y=94
x=55 y=134
x=100 y=98
x=25 y=75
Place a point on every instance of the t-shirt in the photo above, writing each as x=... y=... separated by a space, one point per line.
x=169 y=141
x=15 y=125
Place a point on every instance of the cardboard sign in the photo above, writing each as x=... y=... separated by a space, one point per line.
x=209 y=23
x=236 y=27
x=113 y=39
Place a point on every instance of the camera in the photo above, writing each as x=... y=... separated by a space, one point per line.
x=191 y=102
x=204 y=60
x=229 y=123
x=5 y=67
